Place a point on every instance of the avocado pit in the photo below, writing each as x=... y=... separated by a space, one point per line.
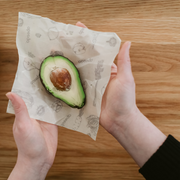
x=61 y=79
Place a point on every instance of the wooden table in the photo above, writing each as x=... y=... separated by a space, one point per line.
x=153 y=27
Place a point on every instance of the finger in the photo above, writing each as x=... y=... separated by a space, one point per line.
x=123 y=62
x=20 y=108
x=114 y=65
x=113 y=68
x=80 y=24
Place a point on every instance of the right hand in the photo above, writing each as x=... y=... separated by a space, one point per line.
x=118 y=102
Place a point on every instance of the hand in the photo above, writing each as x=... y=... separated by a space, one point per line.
x=118 y=102
x=36 y=142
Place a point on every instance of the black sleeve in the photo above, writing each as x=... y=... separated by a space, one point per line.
x=164 y=164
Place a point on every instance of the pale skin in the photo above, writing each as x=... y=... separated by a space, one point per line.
x=37 y=141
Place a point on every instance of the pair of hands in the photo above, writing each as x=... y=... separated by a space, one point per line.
x=37 y=141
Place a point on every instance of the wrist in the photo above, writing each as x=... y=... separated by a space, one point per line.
x=39 y=168
x=27 y=169
x=139 y=137
x=122 y=122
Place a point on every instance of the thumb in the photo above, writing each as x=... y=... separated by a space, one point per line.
x=20 y=108
x=123 y=62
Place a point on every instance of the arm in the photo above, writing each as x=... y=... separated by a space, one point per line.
x=29 y=171
x=121 y=117
x=139 y=137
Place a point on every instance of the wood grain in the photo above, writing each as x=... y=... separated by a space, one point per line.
x=153 y=28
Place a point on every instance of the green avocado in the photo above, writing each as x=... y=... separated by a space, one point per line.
x=60 y=78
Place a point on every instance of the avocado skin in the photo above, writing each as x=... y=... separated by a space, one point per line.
x=55 y=96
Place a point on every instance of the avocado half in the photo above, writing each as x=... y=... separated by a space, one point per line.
x=61 y=79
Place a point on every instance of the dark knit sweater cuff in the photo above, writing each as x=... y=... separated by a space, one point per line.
x=164 y=164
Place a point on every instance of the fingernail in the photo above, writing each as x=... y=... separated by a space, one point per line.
x=129 y=45
x=79 y=22
x=8 y=95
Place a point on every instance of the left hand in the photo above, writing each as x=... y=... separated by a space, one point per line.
x=36 y=142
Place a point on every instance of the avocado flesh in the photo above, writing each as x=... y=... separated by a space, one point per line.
x=75 y=96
